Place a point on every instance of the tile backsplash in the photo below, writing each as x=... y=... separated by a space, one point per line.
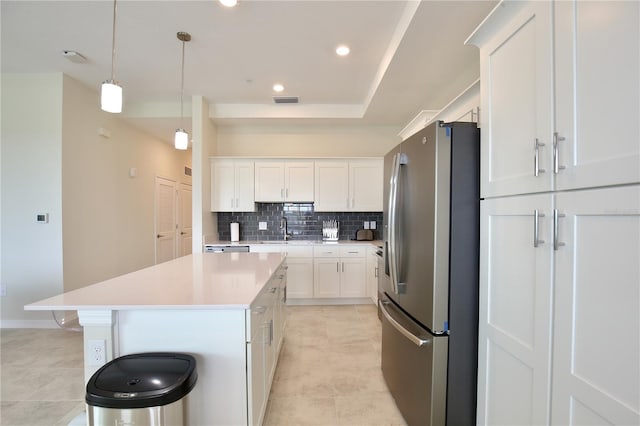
x=302 y=222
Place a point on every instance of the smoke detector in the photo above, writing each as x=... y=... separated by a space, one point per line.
x=74 y=56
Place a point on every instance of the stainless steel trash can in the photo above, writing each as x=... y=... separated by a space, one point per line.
x=142 y=389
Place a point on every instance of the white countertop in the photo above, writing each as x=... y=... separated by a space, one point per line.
x=197 y=281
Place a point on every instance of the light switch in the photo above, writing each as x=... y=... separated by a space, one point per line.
x=42 y=218
x=372 y=224
x=262 y=226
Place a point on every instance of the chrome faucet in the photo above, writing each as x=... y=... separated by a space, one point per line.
x=283 y=226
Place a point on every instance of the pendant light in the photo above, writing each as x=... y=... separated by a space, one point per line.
x=111 y=94
x=182 y=137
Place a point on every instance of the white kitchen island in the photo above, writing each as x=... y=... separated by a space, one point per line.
x=226 y=310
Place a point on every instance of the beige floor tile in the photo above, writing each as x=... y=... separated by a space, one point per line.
x=36 y=413
x=367 y=408
x=301 y=410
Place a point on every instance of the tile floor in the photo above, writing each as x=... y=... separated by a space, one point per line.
x=328 y=372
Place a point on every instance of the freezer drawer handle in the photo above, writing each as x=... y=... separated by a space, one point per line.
x=406 y=333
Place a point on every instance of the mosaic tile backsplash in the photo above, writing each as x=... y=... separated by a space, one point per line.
x=302 y=222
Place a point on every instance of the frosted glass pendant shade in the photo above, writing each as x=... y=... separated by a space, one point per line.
x=182 y=139
x=111 y=97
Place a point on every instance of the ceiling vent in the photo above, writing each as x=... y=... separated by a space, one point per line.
x=286 y=99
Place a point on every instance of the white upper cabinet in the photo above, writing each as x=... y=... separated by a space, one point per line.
x=579 y=130
x=354 y=185
x=597 y=45
x=516 y=101
x=365 y=185
x=284 y=181
x=232 y=185
x=332 y=188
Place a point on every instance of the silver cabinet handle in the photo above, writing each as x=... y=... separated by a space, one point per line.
x=337 y=266
x=556 y=216
x=536 y=228
x=375 y=272
x=286 y=193
x=406 y=333
x=536 y=158
x=342 y=266
x=556 y=154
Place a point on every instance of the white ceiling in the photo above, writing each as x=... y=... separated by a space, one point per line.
x=406 y=56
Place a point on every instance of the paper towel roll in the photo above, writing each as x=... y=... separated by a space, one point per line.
x=235 y=231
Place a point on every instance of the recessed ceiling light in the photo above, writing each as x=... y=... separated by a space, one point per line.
x=342 y=50
x=229 y=3
x=278 y=87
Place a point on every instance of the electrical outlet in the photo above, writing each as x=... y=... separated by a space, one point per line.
x=262 y=226
x=96 y=352
x=372 y=224
x=366 y=225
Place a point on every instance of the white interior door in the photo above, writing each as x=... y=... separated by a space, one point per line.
x=165 y=219
x=185 y=229
x=596 y=362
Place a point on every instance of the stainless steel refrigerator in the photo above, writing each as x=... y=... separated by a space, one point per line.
x=429 y=290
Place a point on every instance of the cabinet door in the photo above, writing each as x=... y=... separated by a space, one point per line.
x=245 y=185
x=353 y=277
x=269 y=181
x=596 y=362
x=256 y=376
x=223 y=193
x=299 y=278
x=365 y=185
x=326 y=277
x=515 y=311
x=298 y=181
x=516 y=90
x=331 y=186
x=597 y=92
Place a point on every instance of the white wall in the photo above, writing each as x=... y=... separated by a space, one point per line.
x=101 y=221
x=307 y=141
x=31 y=263
x=109 y=216
x=205 y=137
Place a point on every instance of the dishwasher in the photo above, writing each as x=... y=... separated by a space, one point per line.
x=226 y=248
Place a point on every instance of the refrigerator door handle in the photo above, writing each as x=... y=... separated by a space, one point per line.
x=394 y=272
x=392 y=214
x=406 y=333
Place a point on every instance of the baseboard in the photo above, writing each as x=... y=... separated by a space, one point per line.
x=330 y=301
x=28 y=324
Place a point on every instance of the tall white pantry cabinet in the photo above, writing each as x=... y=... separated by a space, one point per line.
x=559 y=329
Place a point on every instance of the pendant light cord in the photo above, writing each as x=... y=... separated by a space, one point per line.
x=182 y=87
x=113 y=45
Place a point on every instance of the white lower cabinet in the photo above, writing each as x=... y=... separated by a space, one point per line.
x=596 y=344
x=560 y=309
x=339 y=271
x=265 y=331
x=372 y=274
